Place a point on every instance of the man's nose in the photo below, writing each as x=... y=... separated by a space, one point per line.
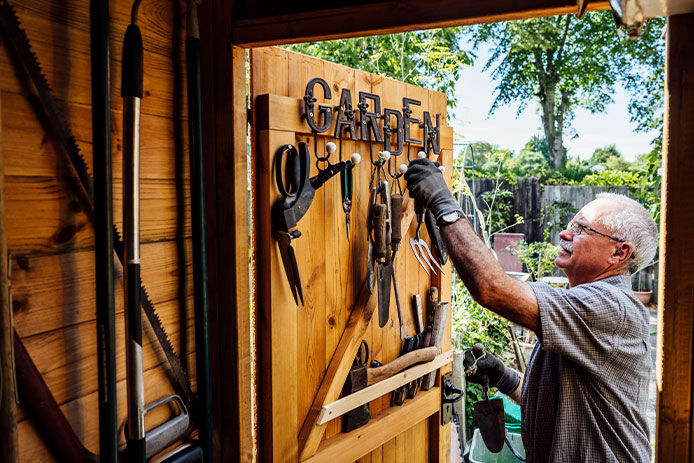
x=566 y=234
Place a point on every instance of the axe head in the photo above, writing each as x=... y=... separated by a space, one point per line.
x=356 y=380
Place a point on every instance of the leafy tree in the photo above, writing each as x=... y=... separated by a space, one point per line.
x=609 y=157
x=528 y=164
x=538 y=144
x=431 y=58
x=563 y=63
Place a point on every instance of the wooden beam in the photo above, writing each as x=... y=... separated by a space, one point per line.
x=8 y=410
x=675 y=299
x=389 y=17
x=225 y=128
x=352 y=445
x=354 y=400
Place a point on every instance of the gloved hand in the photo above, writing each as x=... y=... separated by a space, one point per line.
x=427 y=186
x=485 y=365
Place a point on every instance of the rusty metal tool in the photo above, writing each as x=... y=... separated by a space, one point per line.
x=361 y=376
x=395 y=239
x=488 y=413
x=379 y=235
x=297 y=190
x=419 y=247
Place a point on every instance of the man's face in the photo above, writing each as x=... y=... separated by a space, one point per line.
x=585 y=257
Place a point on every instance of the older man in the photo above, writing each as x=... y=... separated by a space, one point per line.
x=584 y=394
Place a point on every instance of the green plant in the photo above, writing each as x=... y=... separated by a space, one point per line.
x=538 y=258
x=557 y=215
x=473 y=323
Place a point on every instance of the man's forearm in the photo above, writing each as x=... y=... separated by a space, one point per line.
x=486 y=279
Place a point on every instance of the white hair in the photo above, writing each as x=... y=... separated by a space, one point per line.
x=631 y=222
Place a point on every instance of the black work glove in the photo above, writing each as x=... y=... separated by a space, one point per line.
x=500 y=376
x=428 y=188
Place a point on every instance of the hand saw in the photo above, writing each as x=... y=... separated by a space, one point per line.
x=19 y=45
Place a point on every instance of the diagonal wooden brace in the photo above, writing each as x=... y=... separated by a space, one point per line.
x=311 y=433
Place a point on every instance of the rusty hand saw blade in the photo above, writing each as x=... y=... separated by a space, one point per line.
x=19 y=44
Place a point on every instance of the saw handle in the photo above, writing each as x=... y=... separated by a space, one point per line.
x=380 y=218
x=374 y=375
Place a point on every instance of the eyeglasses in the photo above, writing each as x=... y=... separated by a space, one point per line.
x=577 y=228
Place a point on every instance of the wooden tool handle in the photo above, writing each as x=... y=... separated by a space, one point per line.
x=436 y=340
x=432 y=302
x=375 y=375
x=380 y=218
x=396 y=218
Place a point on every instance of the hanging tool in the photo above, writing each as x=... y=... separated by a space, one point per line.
x=346 y=176
x=297 y=189
x=103 y=223
x=48 y=110
x=488 y=413
x=379 y=235
x=419 y=246
x=361 y=376
x=396 y=237
x=198 y=222
x=131 y=91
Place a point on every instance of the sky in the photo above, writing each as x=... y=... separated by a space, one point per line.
x=475 y=95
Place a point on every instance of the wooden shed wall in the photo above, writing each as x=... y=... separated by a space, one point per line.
x=51 y=238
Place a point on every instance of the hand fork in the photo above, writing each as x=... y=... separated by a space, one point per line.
x=419 y=246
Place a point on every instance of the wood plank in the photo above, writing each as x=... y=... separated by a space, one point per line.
x=50 y=292
x=339 y=258
x=8 y=406
x=58 y=49
x=392 y=422
x=352 y=401
x=46 y=217
x=278 y=322
x=387 y=17
x=21 y=128
x=83 y=413
x=225 y=127
x=674 y=429
x=311 y=255
x=311 y=434
x=65 y=357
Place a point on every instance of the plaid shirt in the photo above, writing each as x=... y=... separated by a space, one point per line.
x=585 y=390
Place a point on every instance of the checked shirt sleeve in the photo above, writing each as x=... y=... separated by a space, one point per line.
x=579 y=323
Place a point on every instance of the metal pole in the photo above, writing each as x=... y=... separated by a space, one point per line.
x=103 y=229
x=132 y=94
x=197 y=192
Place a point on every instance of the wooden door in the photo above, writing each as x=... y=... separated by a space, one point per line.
x=305 y=352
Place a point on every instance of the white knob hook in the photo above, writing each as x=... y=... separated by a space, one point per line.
x=421 y=155
x=402 y=168
x=330 y=147
x=356 y=158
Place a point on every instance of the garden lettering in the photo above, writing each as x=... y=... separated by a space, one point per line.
x=394 y=122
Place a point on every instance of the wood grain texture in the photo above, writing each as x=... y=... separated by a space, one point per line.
x=50 y=235
x=378 y=18
x=332 y=269
x=675 y=430
x=389 y=424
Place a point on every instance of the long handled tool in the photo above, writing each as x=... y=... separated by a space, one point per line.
x=197 y=192
x=132 y=95
x=103 y=224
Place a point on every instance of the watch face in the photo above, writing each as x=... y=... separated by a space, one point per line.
x=451 y=217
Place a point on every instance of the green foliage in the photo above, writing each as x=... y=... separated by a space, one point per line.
x=538 y=258
x=644 y=185
x=609 y=157
x=431 y=58
x=557 y=215
x=528 y=164
x=538 y=144
x=497 y=211
x=472 y=323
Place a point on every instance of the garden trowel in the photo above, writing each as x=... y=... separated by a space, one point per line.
x=489 y=413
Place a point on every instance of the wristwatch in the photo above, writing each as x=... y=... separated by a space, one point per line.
x=450 y=218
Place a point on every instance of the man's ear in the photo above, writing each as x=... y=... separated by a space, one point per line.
x=621 y=253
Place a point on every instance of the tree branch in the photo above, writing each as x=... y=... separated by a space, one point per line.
x=563 y=38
